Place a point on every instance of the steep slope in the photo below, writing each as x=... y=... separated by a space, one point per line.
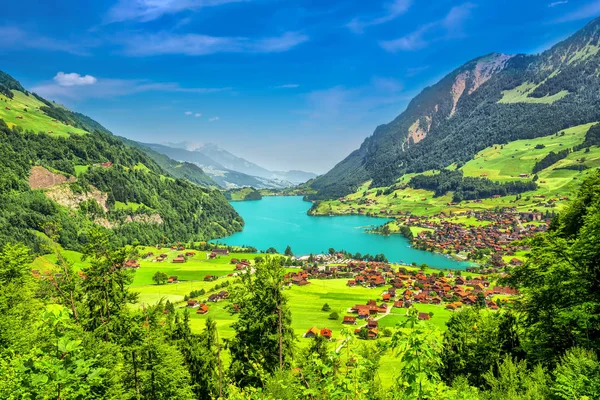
x=492 y=99
x=60 y=185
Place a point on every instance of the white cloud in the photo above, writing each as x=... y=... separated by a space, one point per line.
x=110 y=88
x=557 y=3
x=15 y=38
x=288 y=86
x=393 y=10
x=197 y=115
x=198 y=45
x=188 y=113
x=150 y=10
x=74 y=79
x=213 y=119
x=587 y=11
x=451 y=26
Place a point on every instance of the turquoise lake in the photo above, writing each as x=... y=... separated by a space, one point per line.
x=281 y=221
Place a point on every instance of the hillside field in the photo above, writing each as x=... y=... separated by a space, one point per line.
x=12 y=111
x=498 y=163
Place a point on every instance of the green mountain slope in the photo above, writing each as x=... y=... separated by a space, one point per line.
x=182 y=170
x=490 y=100
x=61 y=184
x=558 y=164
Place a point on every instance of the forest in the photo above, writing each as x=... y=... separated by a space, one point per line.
x=188 y=211
x=78 y=336
x=479 y=119
x=468 y=188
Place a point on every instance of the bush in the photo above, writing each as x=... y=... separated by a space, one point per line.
x=325 y=307
x=334 y=316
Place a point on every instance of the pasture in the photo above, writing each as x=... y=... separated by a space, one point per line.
x=12 y=111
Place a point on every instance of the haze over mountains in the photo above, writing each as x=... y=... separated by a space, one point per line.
x=490 y=100
x=227 y=169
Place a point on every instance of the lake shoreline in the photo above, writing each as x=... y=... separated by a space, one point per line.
x=281 y=221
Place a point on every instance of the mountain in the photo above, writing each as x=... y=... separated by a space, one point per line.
x=181 y=170
x=226 y=169
x=490 y=100
x=234 y=163
x=62 y=173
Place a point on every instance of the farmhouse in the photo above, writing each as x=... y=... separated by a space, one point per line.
x=349 y=320
x=326 y=333
x=312 y=332
x=202 y=309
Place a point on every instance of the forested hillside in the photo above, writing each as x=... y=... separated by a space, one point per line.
x=491 y=100
x=59 y=185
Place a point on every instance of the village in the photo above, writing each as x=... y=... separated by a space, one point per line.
x=494 y=234
x=402 y=288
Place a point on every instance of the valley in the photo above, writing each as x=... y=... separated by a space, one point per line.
x=453 y=255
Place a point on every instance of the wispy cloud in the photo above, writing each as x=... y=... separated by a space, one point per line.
x=416 y=70
x=73 y=86
x=16 y=38
x=198 y=45
x=188 y=113
x=587 y=11
x=213 y=119
x=150 y=10
x=557 y=3
x=451 y=26
x=342 y=102
x=288 y=86
x=197 y=115
x=392 y=11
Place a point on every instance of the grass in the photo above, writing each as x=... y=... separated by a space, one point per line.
x=305 y=302
x=127 y=206
x=521 y=93
x=32 y=119
x=499 y=163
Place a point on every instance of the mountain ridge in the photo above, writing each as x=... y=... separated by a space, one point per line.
x=490 y=99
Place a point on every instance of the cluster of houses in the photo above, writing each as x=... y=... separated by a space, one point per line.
x=202 y=308
x=240 y=265
x=314 y=332
x=498 y=234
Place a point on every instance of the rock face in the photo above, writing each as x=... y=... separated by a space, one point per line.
x=56 y=187
x=63 y=195
x=41 y=178
x=491 y=99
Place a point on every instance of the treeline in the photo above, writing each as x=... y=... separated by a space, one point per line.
x=550 y=159
x=77 y=336
x=187 y=211
x=468 y=188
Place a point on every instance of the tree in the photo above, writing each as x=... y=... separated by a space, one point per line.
x=271 y=250
x=288 y=251
x=560 y=281
x=419 y=347
x=334 y=316
x=160 y=277
x=325 y=307
x=264 y=338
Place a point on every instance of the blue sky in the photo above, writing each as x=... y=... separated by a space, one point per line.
x=289 y=84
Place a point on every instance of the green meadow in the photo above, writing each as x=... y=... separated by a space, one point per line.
x=12 y=111
x=498 y=163
x=305 y=302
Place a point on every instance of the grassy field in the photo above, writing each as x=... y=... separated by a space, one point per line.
x=33 y=119
x=305 y=302
x=498 y=163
